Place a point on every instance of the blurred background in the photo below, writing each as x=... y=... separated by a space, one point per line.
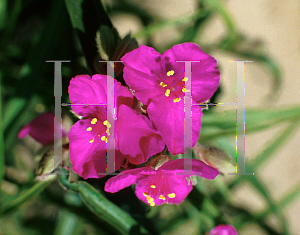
x=263 y=31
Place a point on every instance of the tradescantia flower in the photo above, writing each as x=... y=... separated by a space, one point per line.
x=167 y=183
x=135 y=138
x=159 y=82
x=41 y=129
x=223 y=229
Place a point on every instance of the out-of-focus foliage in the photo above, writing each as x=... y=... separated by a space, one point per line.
x=66 y=30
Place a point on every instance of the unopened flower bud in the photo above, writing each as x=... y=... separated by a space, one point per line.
x=214 y=157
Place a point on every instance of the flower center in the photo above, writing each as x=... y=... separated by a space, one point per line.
x=158 y=189
x=98 y=128
x=173 y=87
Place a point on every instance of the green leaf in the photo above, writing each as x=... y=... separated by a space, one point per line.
x=87 y=16
x=104 y=208
x=24 y=197
x=2 y=147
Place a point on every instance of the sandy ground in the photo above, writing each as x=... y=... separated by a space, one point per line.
x=276 y=23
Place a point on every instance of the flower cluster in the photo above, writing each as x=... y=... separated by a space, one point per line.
x=157 y=84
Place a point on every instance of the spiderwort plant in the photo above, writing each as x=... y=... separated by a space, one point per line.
x=135 y=138
x=158 y=81
x=161 y=184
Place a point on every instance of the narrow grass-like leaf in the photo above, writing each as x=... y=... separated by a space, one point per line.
x=2 y=157
x=24 y=196
x=104 y=208
x=66 y=224
x=276 y=143
x=87 y=16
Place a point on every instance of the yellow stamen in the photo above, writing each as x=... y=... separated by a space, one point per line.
x=94 y=120
x=152 y=204
x=149 y=199
x=185 y=79
x=153 y=186
x=91 y=140
x=167 y=92
x=88 y=129
x=170 y=73
x=103 y=138
x=162 y=197
x=162 y=84
x=145 y=194
x=176 y=100
x=171 y=195
x=86 y=105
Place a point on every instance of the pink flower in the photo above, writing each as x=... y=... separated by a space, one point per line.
x=161 y=185
x=223 y=229
x=135 y=138
x=41 y=129
x=159 y=82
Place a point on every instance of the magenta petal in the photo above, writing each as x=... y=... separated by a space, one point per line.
x=223 y=229
x=205 y=76
x=84 y=90
x=41 y=129
x=163 y=188
x=198 y=168
x=168 y=118
x=140 y=69
x=137 y=138
x=89 y=159
x=126 y=178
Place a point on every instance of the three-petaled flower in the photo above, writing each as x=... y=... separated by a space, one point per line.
x=135 y=138
x=169 y=183
x=159 y=82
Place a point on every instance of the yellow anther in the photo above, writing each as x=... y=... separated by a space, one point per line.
x=162 y=197
x=170 y=73
x=106 y=123
x=185 y=79
x=152 y=204
x=94 y=120
x=153 y=186
x=91 y=140
x=103 y=138
x=145 y=194
x=88 y=129
x=150 y=200
x=184 y=90
x=176 y=100
x=162 y=84
x=171 y=195
x=167 y=93
x=148 y=197
x=86 y=105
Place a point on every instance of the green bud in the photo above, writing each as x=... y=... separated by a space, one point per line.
x=214 y=157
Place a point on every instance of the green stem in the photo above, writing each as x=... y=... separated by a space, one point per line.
x=104 y=208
